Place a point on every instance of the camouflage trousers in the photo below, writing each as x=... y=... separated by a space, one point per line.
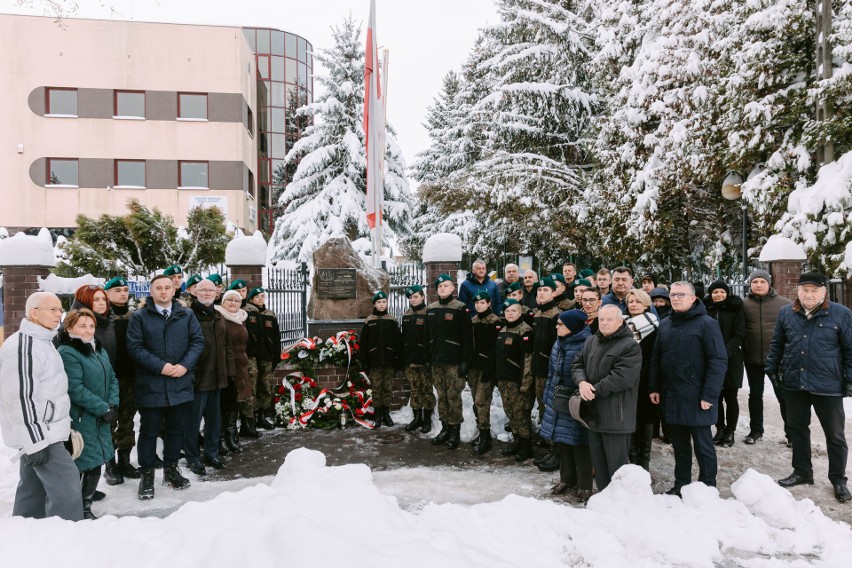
x=381 y=383
x=420 y=380
x=518 y=406
x=123 y=436
x=539 y=396
x=260 y=375
x=449 y=386
x=482 y=393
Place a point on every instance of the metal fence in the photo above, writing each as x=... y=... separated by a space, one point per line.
x=287 y=296
x=401 y=277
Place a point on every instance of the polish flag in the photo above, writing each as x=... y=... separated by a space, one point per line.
x=374 y=128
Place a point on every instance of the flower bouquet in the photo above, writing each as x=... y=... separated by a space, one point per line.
x=299 y=403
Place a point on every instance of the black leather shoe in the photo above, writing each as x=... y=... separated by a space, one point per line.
x=674 y=491
x=841 y=493
x=561 y=488
x=215 y=463
x=753 y=437
x=795 y=479
x=550 y=464
x=197 y=468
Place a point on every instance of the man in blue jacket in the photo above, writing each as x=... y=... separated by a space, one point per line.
x=477 y=281
x=687 y=372
x=164 y=339
x=810 y=356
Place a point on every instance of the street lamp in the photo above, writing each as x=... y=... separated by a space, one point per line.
x=732 y=190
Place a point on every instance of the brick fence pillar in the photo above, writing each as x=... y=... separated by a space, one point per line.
x=785 y=277
x=24 y=258
x=246 y=257
x=442 y=254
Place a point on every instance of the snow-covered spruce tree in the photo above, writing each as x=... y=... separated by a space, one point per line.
x=326 y=195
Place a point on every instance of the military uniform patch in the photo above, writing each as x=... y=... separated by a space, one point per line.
x=448 y=317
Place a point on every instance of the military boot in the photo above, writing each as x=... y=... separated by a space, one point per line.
x=524 y=450
x=442 y=436
x=146 y=484
x=112 y=474
x=511 y=448
x=427 y=421
x=173 y=478
x=124 y=465
x=263 y=422
x=248 y=429
x=386 y=417
x=483 y=444
x=417 y=422
x=454 y=439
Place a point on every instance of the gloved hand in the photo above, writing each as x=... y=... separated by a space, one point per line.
x=38 y=458
x=463 y=368
x=109 y=415
x=773 y=378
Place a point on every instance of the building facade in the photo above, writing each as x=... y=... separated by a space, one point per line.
x=97 y=112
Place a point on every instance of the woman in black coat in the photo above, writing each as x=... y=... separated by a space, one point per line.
x=727 y=309
x=643 y=323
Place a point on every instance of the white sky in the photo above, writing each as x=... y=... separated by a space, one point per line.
x=426 y=38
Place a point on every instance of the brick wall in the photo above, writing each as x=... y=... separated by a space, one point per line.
x=435 y=269
x=785 y=277
x=331 y=377
x=251 y=274
x=19 y=282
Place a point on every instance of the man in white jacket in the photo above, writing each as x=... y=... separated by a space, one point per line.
x=34 y=414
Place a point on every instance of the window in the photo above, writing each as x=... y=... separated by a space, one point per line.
x=250 y=121
x=277 y=43
x=292 y=43
x=130 y=173
x=192 y=174
x=61 y=102
x=263 y=66
x=262 y=41
x=62 y=172
x=248 y=183
x=192 y=106
x=130 y=104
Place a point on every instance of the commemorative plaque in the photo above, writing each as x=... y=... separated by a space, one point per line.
x=336 y=283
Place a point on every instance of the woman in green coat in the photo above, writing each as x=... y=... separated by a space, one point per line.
x=93 y=390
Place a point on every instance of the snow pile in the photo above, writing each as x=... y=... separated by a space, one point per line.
x=443 y=247
x=246 y=251
x=782 y=248
x=314 y=515
x=60 y=285
x=28 y=250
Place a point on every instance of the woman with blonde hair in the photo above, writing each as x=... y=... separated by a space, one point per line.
x=643 y=323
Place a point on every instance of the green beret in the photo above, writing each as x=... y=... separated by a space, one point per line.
x=586 y=272
x=114 y=282
x=443 y=278
x=172 y=270
x=510 y=302
x=411 y=290
x=513 y=287
x=558 y=277
x=380 y=295
x=583 y=282
x=237 y=284
x=547 y=282
x=193 y=280
x=254 y=292
x=482 y=296
x=215 y=279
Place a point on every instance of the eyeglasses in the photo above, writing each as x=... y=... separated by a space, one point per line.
x=678 y=295
x=52 y=310
x=589 y=300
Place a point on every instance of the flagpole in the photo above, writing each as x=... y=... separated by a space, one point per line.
x=383 y=136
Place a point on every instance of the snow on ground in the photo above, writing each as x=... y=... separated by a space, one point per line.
x=437 y=516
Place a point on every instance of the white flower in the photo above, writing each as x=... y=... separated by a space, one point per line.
x=302 y=354
x=348 y=383
x=369 y=392
x=338 y=406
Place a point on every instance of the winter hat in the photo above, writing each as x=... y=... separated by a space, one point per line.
x=648 y=276
x=483 y=295
x=215 y=279
x=113 y=282
x=254 y=292
x=236 y=285
x=659 y=293
x=583 y=282
x=574 y=320
x=760 y=274
x=716 y=284
x=442 y=278
x=699 y=289
x=380 y=295
x=557 y=277
x=411 y=290
x=814 y=278
x=510 y=302
x=193 y=280
x=547 y=282
x=172 y=270
x=230 y=293
x=586 y=272
x=513 y=287
x=577 y=409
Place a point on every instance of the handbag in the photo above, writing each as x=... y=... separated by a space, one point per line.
x=74 y=444
x=561 y=398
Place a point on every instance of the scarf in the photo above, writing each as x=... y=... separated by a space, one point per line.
x=238 y=317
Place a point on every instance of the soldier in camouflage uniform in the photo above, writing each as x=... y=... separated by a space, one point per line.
x=414 y=358
x=560 y=294
x=381 y=356
x=544 y=336
x=189 y=293
x=486 y=326
x=449 y=346
x=241 y=286
x=510 y=366
x=176 y=273
x=123 y=436
x=515 y=291
x=264 y=351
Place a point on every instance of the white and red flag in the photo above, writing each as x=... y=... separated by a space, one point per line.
x=374 y=129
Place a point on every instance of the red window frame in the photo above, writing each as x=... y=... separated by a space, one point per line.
x=206 y=105
x=115 y=94
x=144 y=173
x=47 y=97
x=47 y=171
x=180 y=174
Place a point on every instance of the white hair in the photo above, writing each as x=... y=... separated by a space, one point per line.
x=35 y=300
x=685 y=284
x=511 y=265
